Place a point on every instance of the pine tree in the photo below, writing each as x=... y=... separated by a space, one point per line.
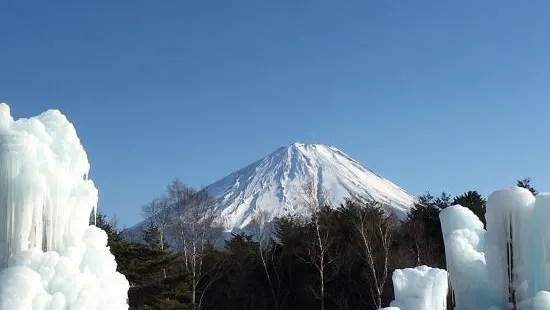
x=473 y=201
x=442 y=201
x=426 y=199
x=526 y=183
x=152 y=236
x=146 y=270
x=109 y=226
x=423 y=225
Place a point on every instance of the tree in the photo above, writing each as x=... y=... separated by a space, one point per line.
x=423 y=228
x=194 y=229
x=374 y=229
x=152 y=236
x=426 y=200
x=442 y=201
x=270 y=258
x=422 y=247
x=159 y=213
x=314 y=200
x=109 y=226
x=142 y=266
x=145 y=268
x=526 y=183
x=473 y=201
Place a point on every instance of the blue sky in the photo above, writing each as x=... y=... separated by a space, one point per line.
x=435 y=95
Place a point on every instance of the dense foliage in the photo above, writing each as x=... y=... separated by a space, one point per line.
x=337 y=258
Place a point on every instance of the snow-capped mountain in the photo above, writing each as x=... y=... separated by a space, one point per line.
x=272 y=184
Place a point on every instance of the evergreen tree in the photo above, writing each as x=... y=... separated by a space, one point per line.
x=109 y=226
x=151 y=234
x=144 y=266
x=526 y=183
x=442 y=201
x=423 y=225
x=146 y=270
x=473 y=201
x=427 y=199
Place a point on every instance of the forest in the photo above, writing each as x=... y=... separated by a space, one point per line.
x=337 y=257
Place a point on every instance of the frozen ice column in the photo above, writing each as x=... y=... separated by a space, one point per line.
x=422 y=287
x=508 y=244
x=50 y=257
x=540 y=264
x=464 y=239
x=44 y=193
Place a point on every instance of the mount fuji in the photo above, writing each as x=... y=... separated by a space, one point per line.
x=272 y=184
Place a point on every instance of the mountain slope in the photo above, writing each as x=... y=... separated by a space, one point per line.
x=272 y=184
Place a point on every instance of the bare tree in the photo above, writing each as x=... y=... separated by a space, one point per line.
x=318 y=253
x=259 y=224
x=194 y=228
x=422 y=248
x=416 y=231
x=374 y=228
x=159 y=213
x=262 y=230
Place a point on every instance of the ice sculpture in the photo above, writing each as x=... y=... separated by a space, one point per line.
x=50 y=257
x=464 y=239
x=505 y=266
x=508 y=247
x=422 y=287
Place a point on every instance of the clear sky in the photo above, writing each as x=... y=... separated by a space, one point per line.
x=439 y=95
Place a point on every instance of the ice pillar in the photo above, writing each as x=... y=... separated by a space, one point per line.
x=508 y=244
x=422 y=287
x=540 y=263
x=464 y=238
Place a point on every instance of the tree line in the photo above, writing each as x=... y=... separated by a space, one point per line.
x=336 y=257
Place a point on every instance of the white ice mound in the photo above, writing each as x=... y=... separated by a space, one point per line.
x=420 y=288
x=50 y=257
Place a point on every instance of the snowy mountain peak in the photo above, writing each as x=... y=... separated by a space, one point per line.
x=272 y=184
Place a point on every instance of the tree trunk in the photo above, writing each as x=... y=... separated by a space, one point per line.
x=321 y=265
x=194 y=276
x=162 y=249
x=271 y=287
x=322 y=276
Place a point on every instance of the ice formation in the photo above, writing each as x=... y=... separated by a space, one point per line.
x=50 y=257
x=420 y=288
x=505 y=266
x=464 y=239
